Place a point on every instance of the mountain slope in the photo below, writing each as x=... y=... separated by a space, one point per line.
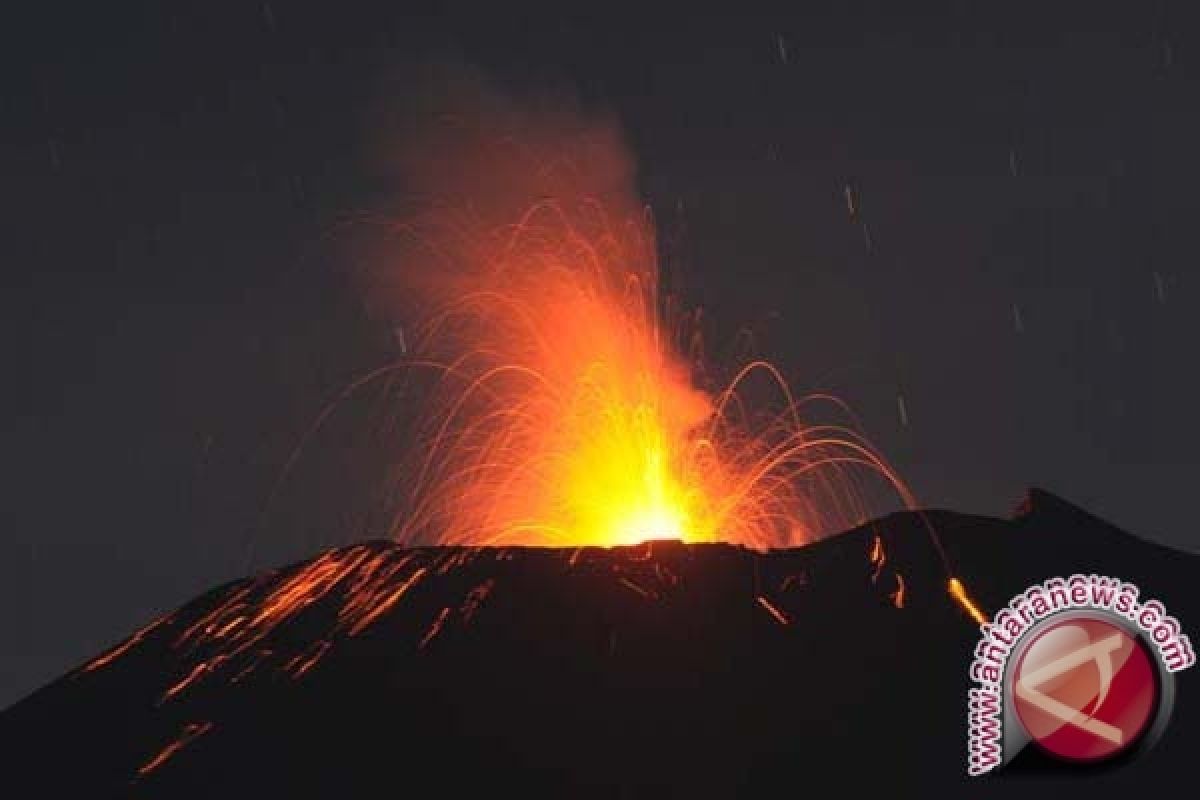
x=656 y=670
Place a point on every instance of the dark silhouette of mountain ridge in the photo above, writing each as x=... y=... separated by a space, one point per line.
x=656 y=670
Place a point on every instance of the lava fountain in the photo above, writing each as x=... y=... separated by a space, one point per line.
x=549 y=392
x=563 y=410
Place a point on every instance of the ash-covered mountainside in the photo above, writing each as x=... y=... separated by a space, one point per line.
x=656 y=670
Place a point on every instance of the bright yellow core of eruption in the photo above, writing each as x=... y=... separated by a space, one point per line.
x=621 y=490
x=602 y=458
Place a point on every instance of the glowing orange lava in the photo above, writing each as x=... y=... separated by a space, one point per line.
x=564 y=413
x=959 y=593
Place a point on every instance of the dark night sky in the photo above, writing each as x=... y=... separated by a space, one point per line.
x=172 y=177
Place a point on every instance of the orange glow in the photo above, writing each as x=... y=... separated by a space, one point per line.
x=191 y=731
x=959 y=593
x=561 y=417
x=778 y=615
x=551 y=392
x=116 y=652
x=435 y=628
x=364 y=583
x=898 y=595
x=563 y=412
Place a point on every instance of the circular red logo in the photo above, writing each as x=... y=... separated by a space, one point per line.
x=1085 y=689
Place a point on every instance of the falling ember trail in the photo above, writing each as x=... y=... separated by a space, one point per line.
x=197 y=672
x=373 y=610
x=898 y=595
x=191 y=732
x=779 y=616
x=959 y=593
x=435 y=628
x=877 y=557
x=302 y=663
x=231 y=640
x=474 y=600
x=636 y=588
x=127 y=645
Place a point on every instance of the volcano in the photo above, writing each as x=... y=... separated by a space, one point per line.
x=658 y=669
